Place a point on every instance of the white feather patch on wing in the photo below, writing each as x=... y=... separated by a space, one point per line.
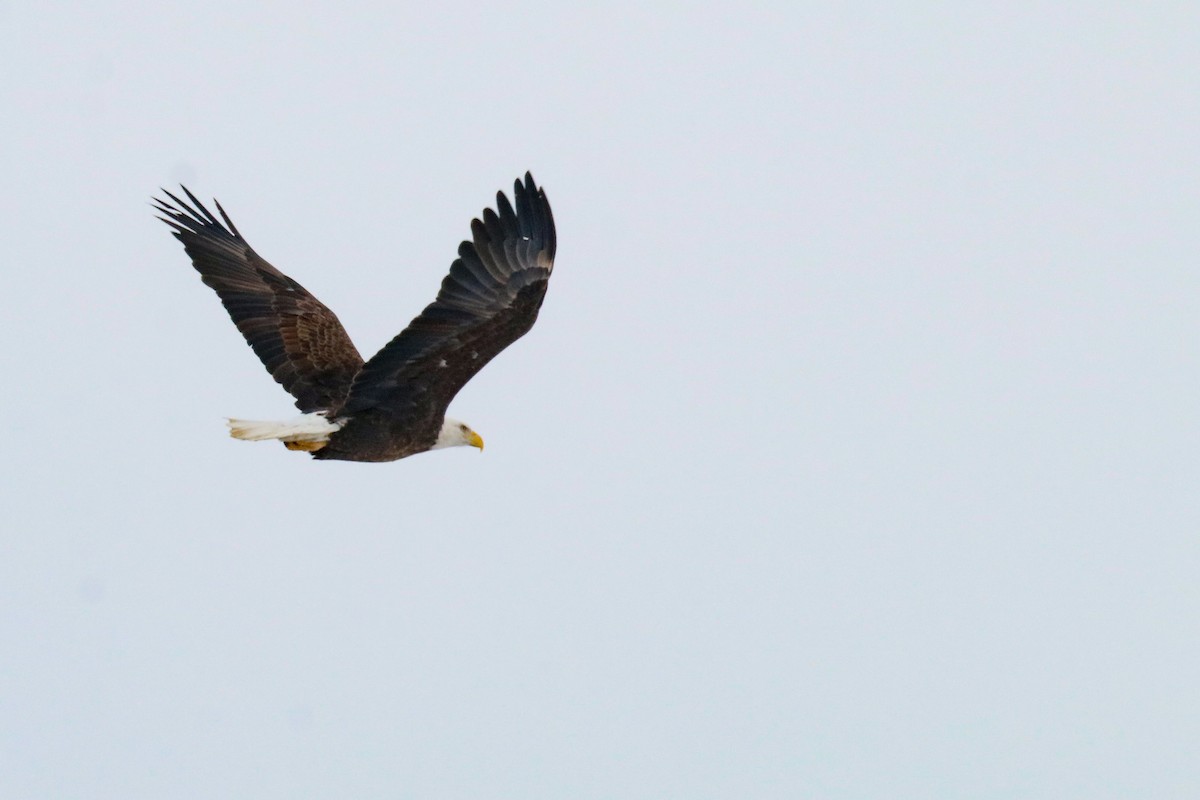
x=304 y=428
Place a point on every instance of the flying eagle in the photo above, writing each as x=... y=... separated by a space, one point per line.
x=393 y=405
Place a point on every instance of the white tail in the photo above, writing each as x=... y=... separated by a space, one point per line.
x=305 y=432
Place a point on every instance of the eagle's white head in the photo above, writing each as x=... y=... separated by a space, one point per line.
x=457 y=434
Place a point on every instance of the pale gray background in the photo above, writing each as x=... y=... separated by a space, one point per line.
x=854 y=454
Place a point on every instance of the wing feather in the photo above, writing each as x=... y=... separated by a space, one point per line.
x=300 y=341
x=489 y=299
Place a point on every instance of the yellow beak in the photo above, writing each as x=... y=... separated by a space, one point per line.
x=475 y=440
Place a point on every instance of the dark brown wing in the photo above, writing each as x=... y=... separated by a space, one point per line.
x=299 y=340
x=489 y=300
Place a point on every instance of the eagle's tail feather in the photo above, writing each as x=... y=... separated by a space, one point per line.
x=307 y=432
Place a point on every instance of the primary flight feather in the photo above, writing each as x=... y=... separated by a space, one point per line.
x=393 y=405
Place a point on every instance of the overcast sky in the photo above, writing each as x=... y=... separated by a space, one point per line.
x=854 y=454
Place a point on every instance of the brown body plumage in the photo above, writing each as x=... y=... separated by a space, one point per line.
x=393 y=405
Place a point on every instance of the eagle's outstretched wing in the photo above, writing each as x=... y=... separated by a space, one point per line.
x=489 y=300
x=299 y=340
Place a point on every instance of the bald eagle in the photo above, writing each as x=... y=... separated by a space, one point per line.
x=393 y=405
